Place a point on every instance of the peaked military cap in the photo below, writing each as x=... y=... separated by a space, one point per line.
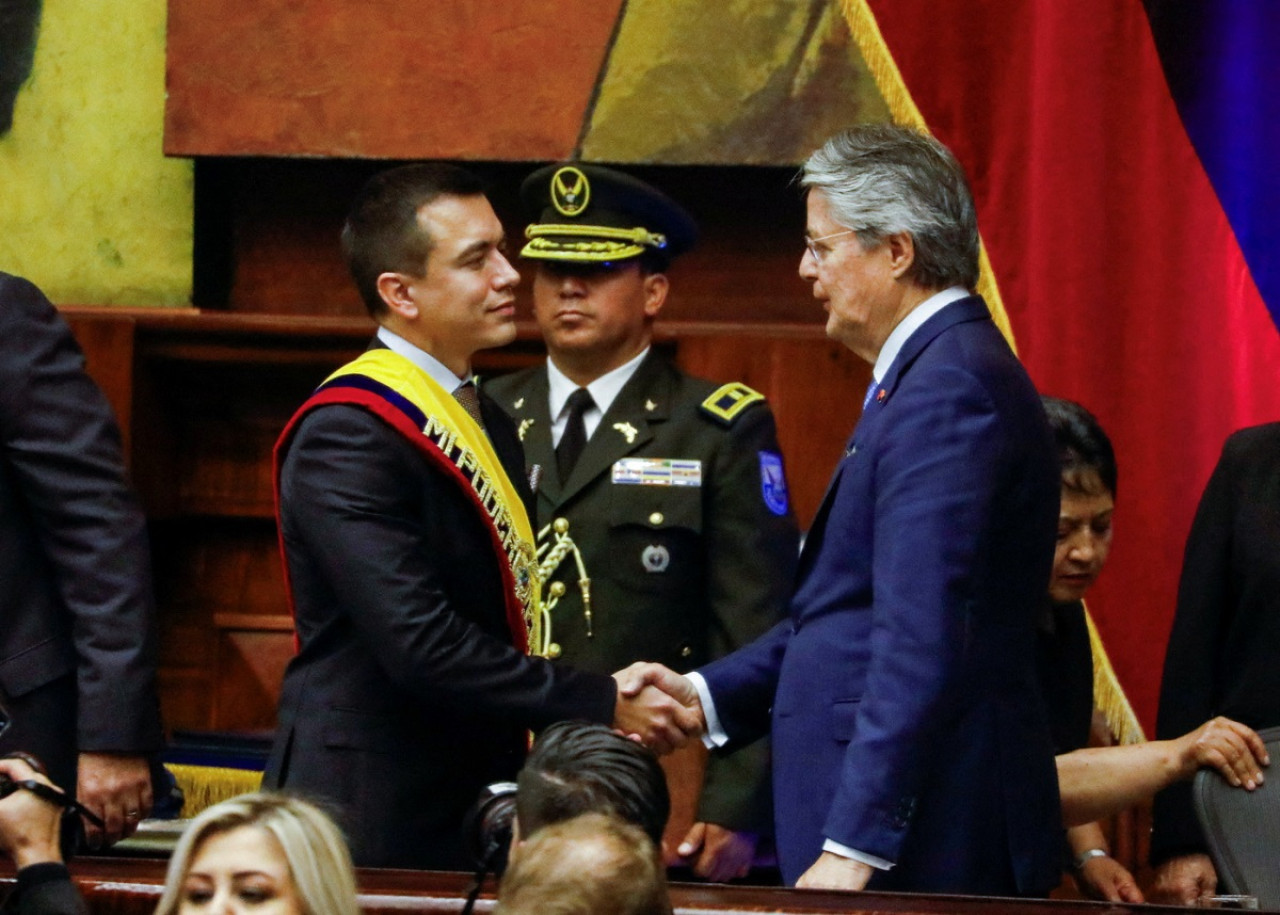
x=591 y=214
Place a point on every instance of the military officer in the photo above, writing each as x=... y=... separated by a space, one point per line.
x=670 y=487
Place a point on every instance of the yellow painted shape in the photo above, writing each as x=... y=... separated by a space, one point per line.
x=90 y=209
x=736 y=81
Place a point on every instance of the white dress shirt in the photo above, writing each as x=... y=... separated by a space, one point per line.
x=434 y=368
x=604 y=391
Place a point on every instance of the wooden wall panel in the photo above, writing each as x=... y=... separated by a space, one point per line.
x=273 y=227
x=469 y=79
x=814 y=386
x=108 y=356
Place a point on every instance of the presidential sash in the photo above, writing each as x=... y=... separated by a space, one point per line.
x=406 y=398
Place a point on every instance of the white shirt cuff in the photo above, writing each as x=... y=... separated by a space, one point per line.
x=845 y=851
x=715 y=736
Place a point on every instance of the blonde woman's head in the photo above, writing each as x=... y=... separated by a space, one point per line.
x=266 y=854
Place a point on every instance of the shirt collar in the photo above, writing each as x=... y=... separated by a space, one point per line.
x=604 y=390
x=434 y=368
x=912 y=323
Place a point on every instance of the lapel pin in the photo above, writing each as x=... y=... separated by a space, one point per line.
x=881 y=395
x=519 y=403
x=524 y=427
x=628 y=430
x=650 y=405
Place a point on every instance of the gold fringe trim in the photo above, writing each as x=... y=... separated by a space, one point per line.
x=884 y=70
x=1108 y=695
x=204 y=786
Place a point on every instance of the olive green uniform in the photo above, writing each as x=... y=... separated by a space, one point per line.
x=683 y=568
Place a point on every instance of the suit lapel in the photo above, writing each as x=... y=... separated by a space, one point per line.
x=972 y=308
x=625 y=427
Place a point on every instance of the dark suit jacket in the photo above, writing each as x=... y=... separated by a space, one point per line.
x=906 y=717
x=731 y=558
x=407 y=696
x=44 y=889
x=1222 y=655
x=77 y=645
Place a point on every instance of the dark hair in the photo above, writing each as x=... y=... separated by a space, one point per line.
x=383 y=234
x=579 y=767
x=881 y=179
x=1082 y=445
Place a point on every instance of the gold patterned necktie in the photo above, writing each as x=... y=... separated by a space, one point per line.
x=467 y=395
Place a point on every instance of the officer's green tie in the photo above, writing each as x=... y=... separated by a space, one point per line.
x=574 y=438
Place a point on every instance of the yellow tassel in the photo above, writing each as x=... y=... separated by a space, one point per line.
x=902 y=107
x=1108 y=695
x=204 y=786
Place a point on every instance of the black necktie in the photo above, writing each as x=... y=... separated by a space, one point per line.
x=467 y=395
x=574 y=438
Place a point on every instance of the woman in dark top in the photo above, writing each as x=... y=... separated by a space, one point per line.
x=1064 y=656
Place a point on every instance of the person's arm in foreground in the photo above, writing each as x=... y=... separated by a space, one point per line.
x=1100 y=781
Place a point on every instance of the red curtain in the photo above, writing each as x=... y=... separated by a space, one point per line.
x=1124 y=284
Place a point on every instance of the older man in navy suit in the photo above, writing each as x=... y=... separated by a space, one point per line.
x=911 y=751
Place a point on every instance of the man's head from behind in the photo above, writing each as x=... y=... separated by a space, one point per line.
x=602 y=241
x=426 y=252
x=593 y=864
x=579 y=767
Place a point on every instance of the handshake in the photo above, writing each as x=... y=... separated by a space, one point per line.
x=658 y=707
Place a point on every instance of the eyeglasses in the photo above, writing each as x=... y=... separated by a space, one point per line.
x=819 y=253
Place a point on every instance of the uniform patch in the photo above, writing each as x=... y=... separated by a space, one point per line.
x=725 y=403
x=638 y=471
x=773 y=482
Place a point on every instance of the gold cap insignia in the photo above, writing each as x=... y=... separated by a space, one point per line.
x=570 y=191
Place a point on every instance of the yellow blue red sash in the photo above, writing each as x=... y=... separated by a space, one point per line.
x=406 y=398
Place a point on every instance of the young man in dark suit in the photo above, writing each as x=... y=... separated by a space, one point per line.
x=675 y=495
x=409 y=555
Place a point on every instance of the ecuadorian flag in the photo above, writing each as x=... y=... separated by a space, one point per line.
x=1125 y=156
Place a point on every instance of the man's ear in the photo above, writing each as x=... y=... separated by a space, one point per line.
x=396 y=291
x=902 y=253
x=656 y=286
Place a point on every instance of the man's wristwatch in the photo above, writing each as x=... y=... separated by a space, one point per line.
x=1088 y=855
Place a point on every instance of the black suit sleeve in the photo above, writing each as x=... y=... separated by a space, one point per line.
x=1190 y=690
x=44 y=889
x=62 y=453
x=352 y=505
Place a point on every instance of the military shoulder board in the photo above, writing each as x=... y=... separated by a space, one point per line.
x=726 y=402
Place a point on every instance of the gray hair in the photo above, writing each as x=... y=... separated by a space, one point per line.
x=319 y=860
x=880 y=180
